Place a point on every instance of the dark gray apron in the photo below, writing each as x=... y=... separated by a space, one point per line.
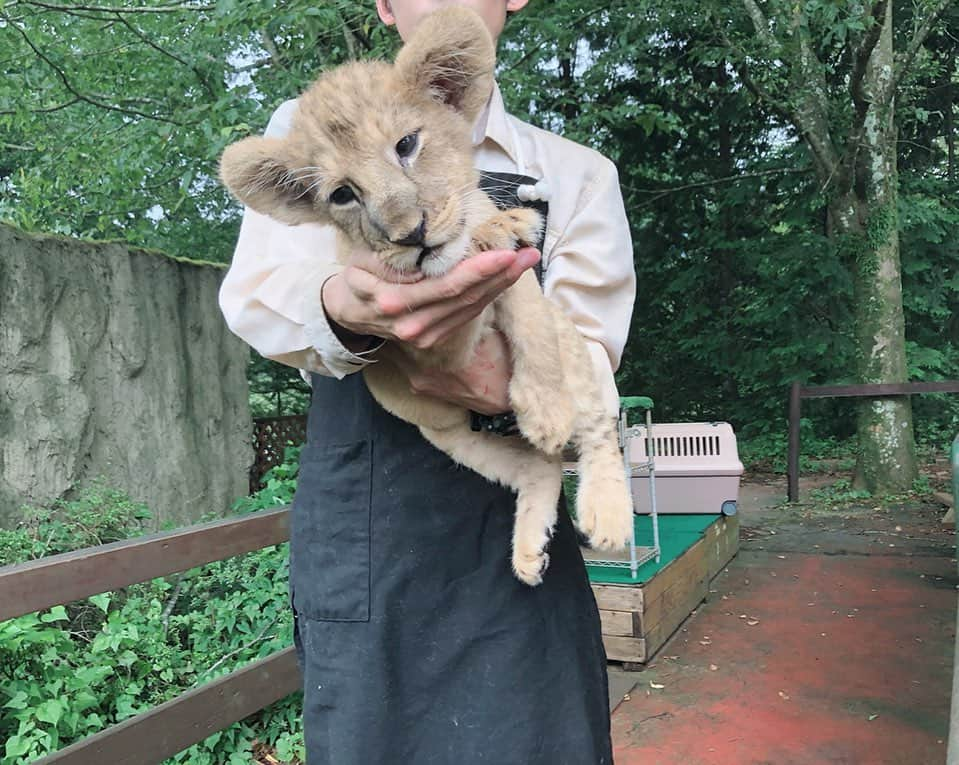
x=418 y=645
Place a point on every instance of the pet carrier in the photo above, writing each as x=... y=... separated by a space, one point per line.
x=697 y=468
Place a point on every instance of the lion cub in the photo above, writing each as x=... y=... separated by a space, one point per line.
x=383 y=153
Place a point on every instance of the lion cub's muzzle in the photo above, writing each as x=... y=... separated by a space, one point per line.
x=416 y=237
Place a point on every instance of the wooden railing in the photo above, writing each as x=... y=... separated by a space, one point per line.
x=879 y=390
x=153 y=736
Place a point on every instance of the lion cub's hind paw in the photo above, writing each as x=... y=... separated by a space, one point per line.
x=608 y=525
x=612 y=533
x=530 y=570
x=530 y=560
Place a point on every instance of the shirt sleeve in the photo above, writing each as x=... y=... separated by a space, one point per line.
x=270 y=296
x=590 y=274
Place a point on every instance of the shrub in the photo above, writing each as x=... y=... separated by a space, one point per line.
x=78 y=668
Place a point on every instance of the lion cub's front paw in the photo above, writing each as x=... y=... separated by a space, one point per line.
x=509 y=229
x=525 y=226
x=530 y=559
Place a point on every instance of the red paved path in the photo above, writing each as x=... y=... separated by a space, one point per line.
x=849 y=659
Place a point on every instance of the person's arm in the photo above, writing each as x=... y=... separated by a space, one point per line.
x=591 y=276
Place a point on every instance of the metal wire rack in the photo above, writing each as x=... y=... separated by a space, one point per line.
x=638 y=555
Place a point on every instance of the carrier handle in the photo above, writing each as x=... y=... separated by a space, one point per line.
x=635 y=402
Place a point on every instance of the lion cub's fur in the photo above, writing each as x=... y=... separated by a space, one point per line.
x=422 y=209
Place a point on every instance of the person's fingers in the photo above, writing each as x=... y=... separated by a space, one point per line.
x=434 y=322
x=485 y=291
x=366 y=259
x=461 y=278
x=525 y=258
x=442 y=329
x=361 y=282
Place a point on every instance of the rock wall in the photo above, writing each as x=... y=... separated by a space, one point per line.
x=116 y=362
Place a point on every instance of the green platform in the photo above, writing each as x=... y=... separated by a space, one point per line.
x=677 y=533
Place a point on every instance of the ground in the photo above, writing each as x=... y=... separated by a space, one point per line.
x=828 y=639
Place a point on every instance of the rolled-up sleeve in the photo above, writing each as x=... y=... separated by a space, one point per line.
x=590 y=274
x=270 y=296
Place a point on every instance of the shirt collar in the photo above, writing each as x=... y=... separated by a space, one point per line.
x=492 y=124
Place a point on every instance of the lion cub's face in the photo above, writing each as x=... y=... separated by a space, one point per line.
x=382 y=151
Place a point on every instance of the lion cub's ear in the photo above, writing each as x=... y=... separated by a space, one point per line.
x=259 y=172
x=452 y=57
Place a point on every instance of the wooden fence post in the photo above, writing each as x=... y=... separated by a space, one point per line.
x=792 y=468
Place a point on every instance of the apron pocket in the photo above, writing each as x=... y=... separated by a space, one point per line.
x=330 y=533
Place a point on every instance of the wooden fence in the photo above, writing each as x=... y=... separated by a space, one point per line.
x=153 y=736
x=880 y=390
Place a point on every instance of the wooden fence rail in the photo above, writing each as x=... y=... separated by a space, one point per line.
x=153 y=736
x=878 y=390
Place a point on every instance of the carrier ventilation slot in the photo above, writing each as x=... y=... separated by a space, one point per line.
x=685 y=446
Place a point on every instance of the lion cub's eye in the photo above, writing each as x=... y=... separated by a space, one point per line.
x=342 y=196
x=406 y=145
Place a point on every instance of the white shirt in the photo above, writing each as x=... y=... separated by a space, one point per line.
x=270 y=296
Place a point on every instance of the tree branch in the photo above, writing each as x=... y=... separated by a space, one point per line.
x=862 y=56
x=660 y=193
x=43 y=110
x=860 y=100
x=170 y=8
x=811 y=115
x=61 y=75
x=807 y=116
x=904 y=64
x=742 y=68
x=193 y=68
x=761 y=25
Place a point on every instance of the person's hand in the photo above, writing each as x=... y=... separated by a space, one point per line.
x=482 y=385
x=424 y=312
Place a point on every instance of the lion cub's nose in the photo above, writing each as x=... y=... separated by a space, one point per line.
x=415 y=238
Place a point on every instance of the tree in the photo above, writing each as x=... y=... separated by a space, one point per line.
x=113 y=115
x=793 y=61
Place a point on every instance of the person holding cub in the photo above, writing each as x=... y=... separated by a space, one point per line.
x=415 y=639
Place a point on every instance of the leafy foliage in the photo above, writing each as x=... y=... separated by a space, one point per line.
x=111 y=123
x=75 y=669
x=275 y=390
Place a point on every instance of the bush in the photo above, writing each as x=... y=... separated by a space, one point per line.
x=76 y=669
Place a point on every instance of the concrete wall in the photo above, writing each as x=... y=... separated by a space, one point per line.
x=116 y=362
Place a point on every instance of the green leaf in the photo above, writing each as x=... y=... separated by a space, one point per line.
x=101 y=601
x=56 y=614
x=50 y=711
x=17 y=746
x=19 y=701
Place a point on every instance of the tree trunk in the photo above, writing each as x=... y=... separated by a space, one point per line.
x=868 y=215
x=948 y=127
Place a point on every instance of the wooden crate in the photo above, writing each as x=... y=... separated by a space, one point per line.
x=638 y=619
